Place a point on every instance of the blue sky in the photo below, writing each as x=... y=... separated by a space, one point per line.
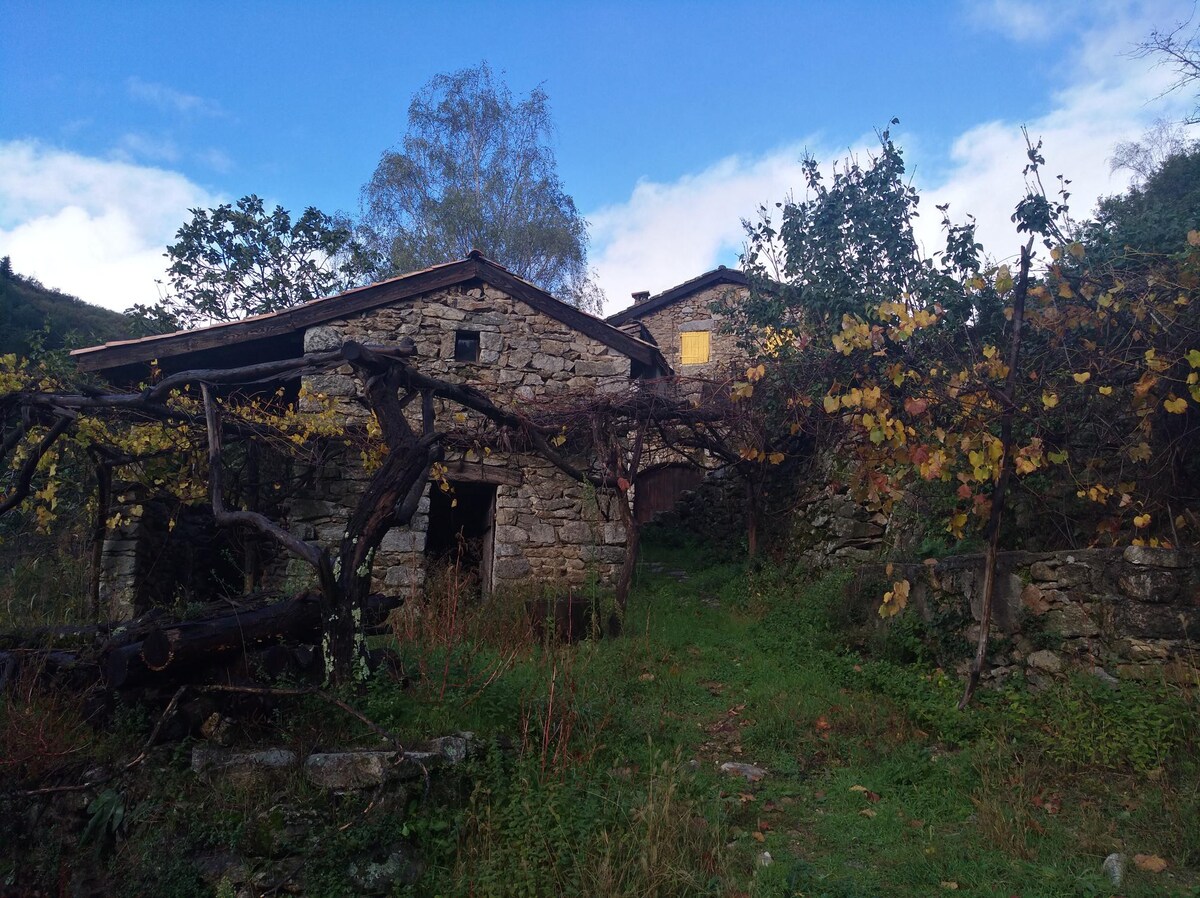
x=674 y=120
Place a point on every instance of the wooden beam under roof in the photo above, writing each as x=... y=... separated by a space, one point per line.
x=474 y=268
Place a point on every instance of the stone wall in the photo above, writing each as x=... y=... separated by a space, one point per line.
x=694 y=313
x=714 y=512
x=830 y=529
x=547 y=526
x=124 y=554
x=1125 y=613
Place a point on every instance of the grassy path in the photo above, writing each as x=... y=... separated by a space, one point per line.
x=875 y=785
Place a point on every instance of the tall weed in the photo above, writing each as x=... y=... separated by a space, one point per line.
x=41 y=729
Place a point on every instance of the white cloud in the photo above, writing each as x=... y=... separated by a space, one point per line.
x=168 y=99
x=666 y=233
x=1112 y=97
x=92 y=227
x=1022 y=20
x=134 y=146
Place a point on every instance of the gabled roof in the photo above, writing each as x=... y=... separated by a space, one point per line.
x=721 y=275
x=290 y=323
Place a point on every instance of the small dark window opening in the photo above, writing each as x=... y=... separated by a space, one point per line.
x=466 y=346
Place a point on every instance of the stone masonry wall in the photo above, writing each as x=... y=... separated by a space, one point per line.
x=1126 y=613
x=694 y=313
x=547 y=526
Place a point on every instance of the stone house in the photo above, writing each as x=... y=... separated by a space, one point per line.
x=512 y=517
x=682 y=324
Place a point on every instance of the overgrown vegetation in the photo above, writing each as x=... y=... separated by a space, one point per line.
x=599 y=772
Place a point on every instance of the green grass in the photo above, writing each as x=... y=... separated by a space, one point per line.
x=1023 y=794
x=602 y=777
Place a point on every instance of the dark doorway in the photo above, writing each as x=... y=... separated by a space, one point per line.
x=461 y=531
x=660 y=488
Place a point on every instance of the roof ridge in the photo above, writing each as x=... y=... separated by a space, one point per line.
x=720 y=274
x=361 y=299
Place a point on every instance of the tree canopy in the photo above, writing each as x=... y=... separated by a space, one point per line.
x=238 y=260
x=1103 y=420
x=1152 y=218
x=476 y=170
x=848 y=246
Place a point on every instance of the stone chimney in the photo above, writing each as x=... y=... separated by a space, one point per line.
x=641 y=296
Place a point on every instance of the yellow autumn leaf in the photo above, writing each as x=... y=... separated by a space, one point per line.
x=895 y=599
x=1081 y=377
x=1105 y=391
x=1194 y=238
x=776 y=457
x=1142 y=521
x=956 y=523
x=1176 y=405
x=1049 y=399
x=831 y=404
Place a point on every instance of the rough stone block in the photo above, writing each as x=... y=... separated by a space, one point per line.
x=405 y=540
x=1034 y=600
x=1157 y=621
x=506 y=533
x=614 y=534
x=511 y=568
x=577 y=532
x=1042 y=572
x=346 y=771
x=1147 y=556
x=331 y=384
x=1149 y=585
x=322 y=339
x=404 y=575
x=1071 y=622
x=241 y=766
x=1046 y=661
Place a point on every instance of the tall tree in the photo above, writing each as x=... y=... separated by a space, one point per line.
x=1180 y=52
x=476 y=171
x=238 y=260
x=1145 y=156
x=849 y=245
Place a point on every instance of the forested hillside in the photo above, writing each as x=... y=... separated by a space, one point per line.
x=32 y=314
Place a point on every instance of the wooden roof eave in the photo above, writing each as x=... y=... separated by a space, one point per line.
x=119 y=354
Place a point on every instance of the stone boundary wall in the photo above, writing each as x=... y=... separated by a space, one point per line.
x=831 y=529
x=1126 y=613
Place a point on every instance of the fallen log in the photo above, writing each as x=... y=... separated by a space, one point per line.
x=171 y=651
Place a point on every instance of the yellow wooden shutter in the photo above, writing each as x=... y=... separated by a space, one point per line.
x=693 y=348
